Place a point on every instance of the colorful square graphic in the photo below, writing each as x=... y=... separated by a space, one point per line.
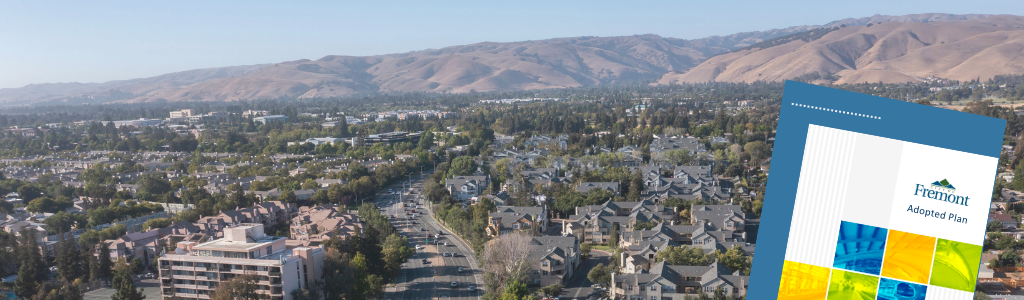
x=860 y=248
x=956 y=265
x=847 y=285
x=908 y=256
x=889 y=289
x=803 y=281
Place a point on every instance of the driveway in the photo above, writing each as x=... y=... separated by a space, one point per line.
x=579 y=286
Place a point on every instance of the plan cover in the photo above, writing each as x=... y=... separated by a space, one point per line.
x=873 y=198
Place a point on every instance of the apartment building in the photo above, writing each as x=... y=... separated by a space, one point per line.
x=194 y=270
x=670 y=282
x=594 y=223
x=553 y=259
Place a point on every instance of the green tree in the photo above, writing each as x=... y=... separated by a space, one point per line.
x=242 y=287
x=552 y=290
x=462 y=166
x=32 y=269
x=515 y=291
x=613 y=241
x=156 y=223
x=684 y=256
x=124 y=286
x=600 y=274
x=104 y=264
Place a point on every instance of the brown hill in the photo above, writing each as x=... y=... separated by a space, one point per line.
x=585 y=61
x=888 y=52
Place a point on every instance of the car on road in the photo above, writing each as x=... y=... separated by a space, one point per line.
x=446 y=244
x=472 y=288
x=425 y=261
x=461 y=270
x=439 y=232
x=446 y=254
x=454 y=254
x=421 y=229
x=418 y=247
x=455 y=284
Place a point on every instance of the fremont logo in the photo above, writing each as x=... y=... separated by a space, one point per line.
x=940 y=190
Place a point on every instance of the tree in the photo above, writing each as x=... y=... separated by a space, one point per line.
x=552 y=290
x=287 y=197
x=720 y=294
x=515 y=291
x=104 y=264
x=613 y=241
x=124 y=286
x=462 y=166
x=156 y=223
x=684 y=256
x=735 y=260
x=154 y=184
x=506 y=258
x=978 y=295
x=585 y=249
x=600 y=274
x=32 y=269
x=241 y=287
x=29 y=192
x=758 y=150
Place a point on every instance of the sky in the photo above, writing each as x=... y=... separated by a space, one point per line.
x=76 y=41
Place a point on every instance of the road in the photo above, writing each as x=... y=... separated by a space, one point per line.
x=579 y=286
x=430 y=280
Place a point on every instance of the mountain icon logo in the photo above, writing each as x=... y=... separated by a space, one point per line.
x=944 y=184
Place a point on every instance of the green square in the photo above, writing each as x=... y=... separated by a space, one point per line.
x=956 y=265
x=853 y=286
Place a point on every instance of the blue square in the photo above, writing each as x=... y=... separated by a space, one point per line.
x=860 y=248
x=889 y=289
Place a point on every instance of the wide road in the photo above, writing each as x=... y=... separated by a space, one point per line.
x=428 y=274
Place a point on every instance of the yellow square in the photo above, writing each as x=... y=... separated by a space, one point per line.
x=803 y=281
x=908 y=256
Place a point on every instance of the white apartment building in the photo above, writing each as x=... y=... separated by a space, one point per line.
x=194 y=270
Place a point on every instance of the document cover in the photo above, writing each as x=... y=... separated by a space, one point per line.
x=873 y=198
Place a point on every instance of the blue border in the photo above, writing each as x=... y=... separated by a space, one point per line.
x=895 y=119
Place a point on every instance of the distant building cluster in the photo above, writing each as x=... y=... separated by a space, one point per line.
x=405 y=114
x=510 y=101
x=191 y=117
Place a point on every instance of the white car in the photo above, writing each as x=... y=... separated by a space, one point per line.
x=418 y=247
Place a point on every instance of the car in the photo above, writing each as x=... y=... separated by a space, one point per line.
x=472 y=288
x=455 y=284
x=446 y=244
x=421 y=229
x=461 y=270
x=454 y=254
x=439 y=232
x=445 y=254
x=418 y=247
x=413 y=222
x=425 y=261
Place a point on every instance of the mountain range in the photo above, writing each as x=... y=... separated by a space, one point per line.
x=877 y=48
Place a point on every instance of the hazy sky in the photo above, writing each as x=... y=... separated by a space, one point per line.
x=75 y=41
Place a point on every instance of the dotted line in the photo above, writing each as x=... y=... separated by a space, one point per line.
x=836 y=111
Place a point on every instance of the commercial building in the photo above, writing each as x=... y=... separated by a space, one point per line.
x=194 y=270
x=184 y=113
x=141 y=122
x=270 y=118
